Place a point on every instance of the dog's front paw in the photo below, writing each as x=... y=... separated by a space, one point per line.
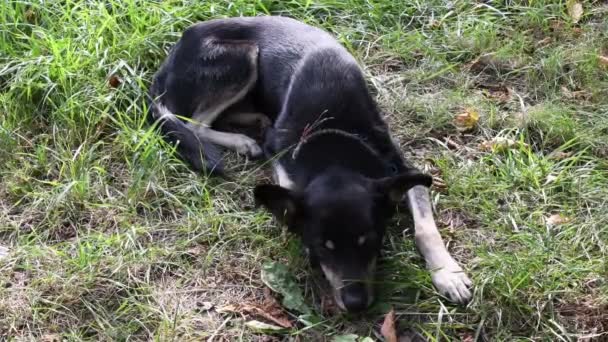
x=453 y=283
x=247 y=147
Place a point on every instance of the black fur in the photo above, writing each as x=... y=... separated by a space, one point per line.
x=328 y=135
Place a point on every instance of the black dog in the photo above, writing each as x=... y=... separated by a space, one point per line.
x=338 y=171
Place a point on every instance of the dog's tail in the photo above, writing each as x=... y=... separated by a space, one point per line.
x=201 y=155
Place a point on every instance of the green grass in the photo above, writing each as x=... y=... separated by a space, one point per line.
x=111 y=237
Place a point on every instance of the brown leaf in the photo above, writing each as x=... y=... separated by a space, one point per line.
x=557 y=219
x=544 y=42
x=195 y=250
x=256 y=310
x=559 y=155
x=114 y=81
x=388 y=330
x=467 y=120
x=439 y=184
x=556 y=25
x=467 y=337
x=577 y=94
x=603 y=60
x=577 y=31
x=575 y=10
x=496 y=92
x=31 y=16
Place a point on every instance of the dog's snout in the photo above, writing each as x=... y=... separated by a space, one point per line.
x=354 y=297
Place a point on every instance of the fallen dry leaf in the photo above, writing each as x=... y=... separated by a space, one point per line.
x=498 y=144
x=577 y=94
x=498 y=93
x=467 y=120
x=575 y=10
x=556 y=25
x=557 y=219
x=114 y=81
x=559 y=155
x=439 y=184
x=467 y=337
x=544 y=42
x=254 y=309
x=603 y=60
x=31 y=16
x=388 y=330
x=577 y=31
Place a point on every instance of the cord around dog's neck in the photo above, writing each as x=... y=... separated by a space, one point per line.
x=323 y=132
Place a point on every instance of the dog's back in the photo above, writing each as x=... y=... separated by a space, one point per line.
x=282 y=42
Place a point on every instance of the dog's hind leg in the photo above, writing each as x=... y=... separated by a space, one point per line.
x=240 y=143
x=447 y=275
x=227 y=73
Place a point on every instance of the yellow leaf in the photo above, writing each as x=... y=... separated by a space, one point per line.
x=467 y=120
x=497 y=144
x=575 y=10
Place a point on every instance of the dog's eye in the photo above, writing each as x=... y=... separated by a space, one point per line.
x=330 y=245
x=393 y=169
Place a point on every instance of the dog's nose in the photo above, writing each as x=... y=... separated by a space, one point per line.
x=354 y=297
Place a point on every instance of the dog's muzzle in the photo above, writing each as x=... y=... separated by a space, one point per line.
x=351 y=295
x=355 y=296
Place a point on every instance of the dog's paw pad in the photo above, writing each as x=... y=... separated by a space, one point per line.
x=454 y=284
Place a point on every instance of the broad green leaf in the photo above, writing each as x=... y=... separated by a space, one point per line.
x=277 y=277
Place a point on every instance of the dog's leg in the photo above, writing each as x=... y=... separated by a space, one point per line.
x=228 y=72
x=447 y=275
x=240 y=143
x=281 y=177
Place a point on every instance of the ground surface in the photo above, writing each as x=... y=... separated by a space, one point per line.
x=105 y=235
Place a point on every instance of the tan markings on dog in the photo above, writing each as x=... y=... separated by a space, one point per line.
x=336 y=283
x=163 y=113
x=446 y=274
x=281 y=176
x=205 y=115
x=240 y=143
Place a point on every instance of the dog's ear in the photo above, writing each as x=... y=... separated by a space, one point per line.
x=395 y=187
x=282 y=203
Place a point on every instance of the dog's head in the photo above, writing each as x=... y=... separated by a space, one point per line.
x=341 y=218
